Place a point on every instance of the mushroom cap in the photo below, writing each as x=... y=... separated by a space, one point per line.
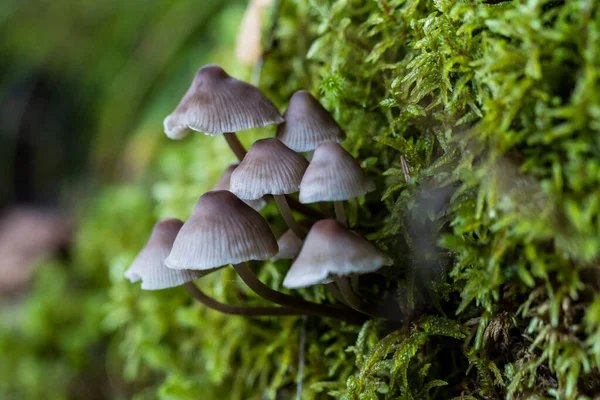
x=269 y=167
x=307 y=123
x=149 y=266
x=222 y=230
x=217 y=103
x=333 y=175
x=289 y=244
x=332 y=250
x=223 y=184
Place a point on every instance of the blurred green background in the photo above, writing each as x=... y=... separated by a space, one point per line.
x=84 y=87
x=84 y=81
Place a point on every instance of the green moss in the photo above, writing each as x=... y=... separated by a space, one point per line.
x=496 y=237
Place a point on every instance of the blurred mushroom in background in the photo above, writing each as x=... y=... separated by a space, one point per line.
x=39 y=155
x=27 y=236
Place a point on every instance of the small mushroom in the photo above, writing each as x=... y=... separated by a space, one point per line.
x=289 y=244
x=216 y=103
x=307 y=123
x=149 y=265
x=223 y=184
x=330 y=251
x=334 y=175
x=270 y=168
x=222 y=230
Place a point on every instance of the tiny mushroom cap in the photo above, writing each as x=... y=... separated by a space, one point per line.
x=149 y=266
x=289 y=244
x=330 y=250
x=269 y=168
x=307 y=124
x=222 y=230
x=223 y=184
x=217 y=103
x=333 y=175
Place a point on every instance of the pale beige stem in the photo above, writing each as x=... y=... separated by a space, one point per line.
x=286 y=213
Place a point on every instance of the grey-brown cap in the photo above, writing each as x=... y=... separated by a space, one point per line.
x=269 y=167
x=333 y=175
x=222 y=230
x=290 y=244
x=224 y=182
x=217 y=103
x=330 y=250
x=307 y=123
x=149 y=265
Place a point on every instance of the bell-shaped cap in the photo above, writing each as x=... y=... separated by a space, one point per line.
x=269 y=167
x=149 y=265
x=333 y=175
x=307 y=123
x=290 y=244
x=330 y=250
x=222 y=230
x=217 y=103
x=223 y=184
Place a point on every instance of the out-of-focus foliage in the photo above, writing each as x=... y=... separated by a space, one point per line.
x=120 y=60
x=496 y=237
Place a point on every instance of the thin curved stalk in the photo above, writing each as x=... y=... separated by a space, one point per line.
x=354 y=283
x=356 y=303
x=336 y=292
x=303 y=208
x=307 y=307
x=340 y=215
x=236 y=146
x=286 y=213
x=237 y=310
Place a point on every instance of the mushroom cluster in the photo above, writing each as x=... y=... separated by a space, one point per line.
x=226 y=227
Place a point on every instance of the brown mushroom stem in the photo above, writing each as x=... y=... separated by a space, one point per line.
x=286 y=213
x=236 y=146
x=340 y=215
x=354 y=283
x=303 y=209
x=356 y=303
x=306 y=307
x=336 y=292
x=237 y=310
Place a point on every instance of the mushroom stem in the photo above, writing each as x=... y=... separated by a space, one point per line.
x=306 y=307
x=304 y=209
x=236 y=146
x=340 y=215
x=286 y=213
x=356 y=303
x=354 y=283
x=336 y=292
x=237 y=310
